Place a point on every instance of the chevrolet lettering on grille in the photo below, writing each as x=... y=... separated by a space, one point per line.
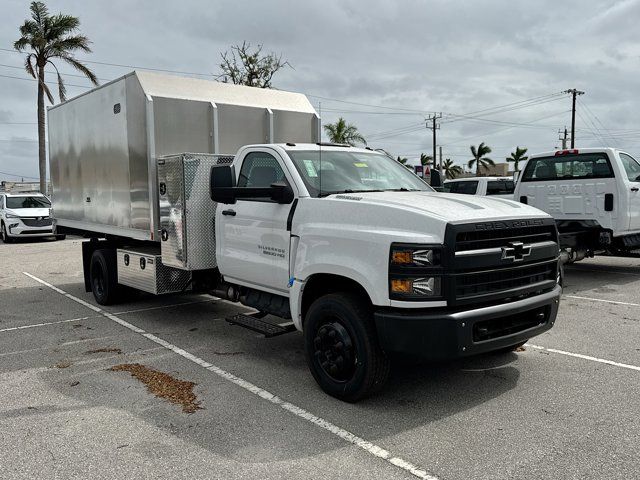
x=516 y=251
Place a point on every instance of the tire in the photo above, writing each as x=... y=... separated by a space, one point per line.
x=61 y=237
x=3 y=234
x=342 y=349
x=103 y=276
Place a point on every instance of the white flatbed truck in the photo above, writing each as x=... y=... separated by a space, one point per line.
x=361 y=255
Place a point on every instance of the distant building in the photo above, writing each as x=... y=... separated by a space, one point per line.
x=497 y=170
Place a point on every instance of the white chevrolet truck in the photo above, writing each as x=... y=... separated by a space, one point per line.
x=341 y=243
x=592 y=193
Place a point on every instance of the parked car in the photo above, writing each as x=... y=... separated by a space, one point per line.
x=592 y=193
x=495 y=186
x=25 y=215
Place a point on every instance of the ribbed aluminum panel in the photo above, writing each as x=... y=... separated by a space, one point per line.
x=187 y=213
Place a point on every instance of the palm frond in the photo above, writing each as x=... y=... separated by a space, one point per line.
x=80 y=67
x=28 y=66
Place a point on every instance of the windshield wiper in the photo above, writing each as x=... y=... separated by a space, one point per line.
x=347 y=190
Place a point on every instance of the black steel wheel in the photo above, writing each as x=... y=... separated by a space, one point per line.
x=103 y=276
x=342 y=347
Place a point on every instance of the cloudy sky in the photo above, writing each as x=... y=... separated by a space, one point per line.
x=494 y=68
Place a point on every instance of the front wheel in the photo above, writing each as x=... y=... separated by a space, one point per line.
x=342 y=348
x=3 y=234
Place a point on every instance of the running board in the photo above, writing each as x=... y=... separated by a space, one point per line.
x=252 y=323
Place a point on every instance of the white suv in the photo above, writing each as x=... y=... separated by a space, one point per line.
x=24 y=215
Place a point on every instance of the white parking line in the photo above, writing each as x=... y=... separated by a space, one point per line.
x=160 y=307
x=585 y=357
x=345 y=435
x=603 y=301
x=43 y=324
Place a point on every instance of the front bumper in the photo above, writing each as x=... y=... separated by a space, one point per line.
x=16 y=228
x=452 y=334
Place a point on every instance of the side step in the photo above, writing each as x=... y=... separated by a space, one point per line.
x=253 y=323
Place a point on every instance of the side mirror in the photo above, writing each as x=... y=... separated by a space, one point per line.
x=282 y=193
x=222 y=182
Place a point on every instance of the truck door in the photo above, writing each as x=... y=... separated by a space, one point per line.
x=255 y=240
x=632 y=169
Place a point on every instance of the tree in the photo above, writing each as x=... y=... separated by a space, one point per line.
x=450 y=170
x=479 y=159
x=425 y=160
x=241 y=66
x=403 y=161
x=517 y=157
x=47 y=37
x=341 y=132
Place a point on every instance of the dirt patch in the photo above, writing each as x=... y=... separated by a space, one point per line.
x=63 y=364
x=163 y=385
x=104 y=350
x=520 y=349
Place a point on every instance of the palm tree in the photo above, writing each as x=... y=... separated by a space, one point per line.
x=479 y=159
x=341 y=132
x=517 y=157
x=403 y=161
x=450 y=170
x=46 y=37
x=426 y=159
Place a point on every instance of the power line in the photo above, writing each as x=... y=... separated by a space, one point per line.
x=63 y=74
x=34 y=80
x=17 y=175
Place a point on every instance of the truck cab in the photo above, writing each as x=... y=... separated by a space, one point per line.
x=499 y=187
x=592 y=193
x=367 y=260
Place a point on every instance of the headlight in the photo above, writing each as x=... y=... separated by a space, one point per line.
x=12 y=215
x=414 y=256
x=415 y=272
x=415 y=288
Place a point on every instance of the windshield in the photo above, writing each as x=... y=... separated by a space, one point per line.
x=28 y=202
x=350 y=172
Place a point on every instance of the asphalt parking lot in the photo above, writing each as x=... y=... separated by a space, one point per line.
x=565 y=407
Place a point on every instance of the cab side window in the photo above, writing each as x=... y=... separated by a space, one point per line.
x=500 y=187
x=631 y=167
x=467 y=188
x=260 y=170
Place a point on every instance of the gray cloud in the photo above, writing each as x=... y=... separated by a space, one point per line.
x=437 y=55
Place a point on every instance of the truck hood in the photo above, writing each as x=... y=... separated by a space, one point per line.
x=29 y=212
x=449 y=207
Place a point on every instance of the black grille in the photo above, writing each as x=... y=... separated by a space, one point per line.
x=500 y=327
x=37 y=222
x=503 y=279
x=488 y=276
x=498 y=238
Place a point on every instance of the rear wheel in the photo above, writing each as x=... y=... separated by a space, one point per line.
x=3 y=234
x=342 y=347
x=103 y=276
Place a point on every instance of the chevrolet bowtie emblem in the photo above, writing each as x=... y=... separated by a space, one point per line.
x=516 y=251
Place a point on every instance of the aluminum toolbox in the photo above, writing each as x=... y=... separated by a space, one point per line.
x=143 y=269
x=187 y=213
x=104 y=144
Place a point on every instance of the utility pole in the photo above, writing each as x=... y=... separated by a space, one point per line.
x=563 y=138
x=440 y=148
x=433 y=127
x=574 y=93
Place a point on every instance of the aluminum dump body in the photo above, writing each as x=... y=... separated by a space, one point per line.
x=103 y=145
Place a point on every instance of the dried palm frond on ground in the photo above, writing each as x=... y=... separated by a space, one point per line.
x=104 y=350
x=163 y=385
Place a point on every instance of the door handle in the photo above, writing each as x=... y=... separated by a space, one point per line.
x=634 y=189
x=229 y=212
